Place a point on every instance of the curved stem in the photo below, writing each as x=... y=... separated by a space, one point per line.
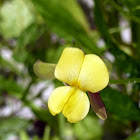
x=125 y=81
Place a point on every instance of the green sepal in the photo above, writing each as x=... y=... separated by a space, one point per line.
x=44 y=70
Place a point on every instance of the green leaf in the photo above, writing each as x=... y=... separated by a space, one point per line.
x=61 y=21
x=27 y=37
x=100 y=21
x=120 y=105
x=44 y=70
x=74 y=8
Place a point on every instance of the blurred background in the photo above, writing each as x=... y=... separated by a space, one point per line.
x=41 y=29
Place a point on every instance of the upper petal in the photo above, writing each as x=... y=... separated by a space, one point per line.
x=69 y=65
x=77 y=106
x=59 y=98
x=94 y=75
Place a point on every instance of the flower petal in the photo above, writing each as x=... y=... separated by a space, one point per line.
x=69 y=65
x=59 y=98
x=77 y=106
x=94 y=75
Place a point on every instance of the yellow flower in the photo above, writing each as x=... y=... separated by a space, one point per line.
x=81 y=73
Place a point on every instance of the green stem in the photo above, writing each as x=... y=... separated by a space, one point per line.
x=61 y=125
x=25 y=93
x=47 y=133
x=125 y=81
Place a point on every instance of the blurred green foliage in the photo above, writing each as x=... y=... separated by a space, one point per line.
x=32 y=30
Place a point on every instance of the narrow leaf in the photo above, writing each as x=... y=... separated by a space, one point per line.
x=74 y=8
x=100 y=20
x=44 y=70
x=97 y=105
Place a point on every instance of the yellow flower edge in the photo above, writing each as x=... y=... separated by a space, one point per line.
x=73 y=103
x=69 y=65
x=87 y=72
x=94 y=74
x=77 y=106
x=58 y=98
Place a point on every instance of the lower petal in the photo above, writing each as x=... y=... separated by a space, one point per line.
x=77 y=106
x=58 y=98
